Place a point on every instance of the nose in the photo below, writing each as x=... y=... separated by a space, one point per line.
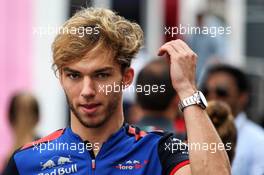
x=88 y=90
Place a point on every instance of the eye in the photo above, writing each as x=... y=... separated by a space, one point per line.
x=73 y=76
x=102 y=75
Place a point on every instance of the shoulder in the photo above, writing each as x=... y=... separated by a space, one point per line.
x=53 y=136
x=171 y=152
x=142 y=135
x=38 y=145
x=26 y=155
x=162 y=137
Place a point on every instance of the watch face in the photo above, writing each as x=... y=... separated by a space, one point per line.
x=203 y=99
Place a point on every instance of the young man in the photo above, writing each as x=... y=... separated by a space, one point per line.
x=89 y=67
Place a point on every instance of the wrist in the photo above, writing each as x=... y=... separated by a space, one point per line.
x=184 y=91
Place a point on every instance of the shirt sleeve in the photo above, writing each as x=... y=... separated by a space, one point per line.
x=11 y=168
x=173 y=154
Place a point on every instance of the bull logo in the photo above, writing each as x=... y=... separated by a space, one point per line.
x=63 y=160
x=48 y=164
x=132 y=162
x=129 y=162
x=51 y=163
x=136 y=162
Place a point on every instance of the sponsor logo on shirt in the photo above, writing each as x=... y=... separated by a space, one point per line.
x=58 y=165
x=131 y=165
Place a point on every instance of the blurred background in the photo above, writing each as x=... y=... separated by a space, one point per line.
x=27 y=31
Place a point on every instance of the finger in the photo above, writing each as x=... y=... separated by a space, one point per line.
x=160 y=51
x=187 y=48
x=178 y=47
x=183 y=45
x=167 y=48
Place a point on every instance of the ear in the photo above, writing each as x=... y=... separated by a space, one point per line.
x=128 y=76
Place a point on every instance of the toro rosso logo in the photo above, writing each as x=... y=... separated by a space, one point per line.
x=56 y=165
x=131 y=165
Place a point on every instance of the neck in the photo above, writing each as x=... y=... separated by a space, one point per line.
x=99 y=134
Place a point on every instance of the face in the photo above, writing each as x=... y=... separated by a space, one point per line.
x=84 y=83
x=221 y=86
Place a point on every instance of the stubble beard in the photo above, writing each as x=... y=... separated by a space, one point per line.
x=110 y=109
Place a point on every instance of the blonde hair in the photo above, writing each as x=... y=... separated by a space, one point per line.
x=113 y=32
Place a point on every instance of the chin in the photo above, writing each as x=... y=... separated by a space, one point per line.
x=94 y=122
x=93 y=125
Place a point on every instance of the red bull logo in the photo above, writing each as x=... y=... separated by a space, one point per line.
x=56 y=164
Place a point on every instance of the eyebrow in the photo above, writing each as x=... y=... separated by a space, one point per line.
x=104 y=69
x=67 y=69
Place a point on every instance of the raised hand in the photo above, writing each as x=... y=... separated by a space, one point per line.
x=182 y=66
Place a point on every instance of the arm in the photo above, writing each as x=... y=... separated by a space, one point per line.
x=200 y=130
x=186 y=170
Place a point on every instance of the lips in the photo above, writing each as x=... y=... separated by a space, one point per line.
x=90 y=108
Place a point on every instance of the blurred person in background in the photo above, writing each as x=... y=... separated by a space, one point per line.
x=134 y=114
x=229 y=84
x=23 y=116
x=159 y=105
x=222 y=118
x=210 y=47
